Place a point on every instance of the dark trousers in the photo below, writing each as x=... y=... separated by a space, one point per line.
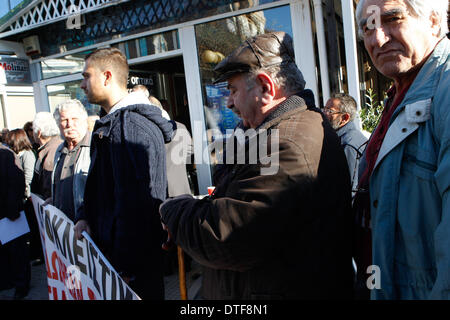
x=15 y=260
x=34 y=237
x=148 y=287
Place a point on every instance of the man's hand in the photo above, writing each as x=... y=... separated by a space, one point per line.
x=81 y=226
x=169 y=244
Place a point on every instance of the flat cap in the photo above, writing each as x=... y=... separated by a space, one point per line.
x=260 y=51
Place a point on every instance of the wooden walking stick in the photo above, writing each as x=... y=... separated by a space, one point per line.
x=168 y=245
x=182 y=274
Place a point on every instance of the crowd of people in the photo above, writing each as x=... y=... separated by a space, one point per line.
x=337 y=204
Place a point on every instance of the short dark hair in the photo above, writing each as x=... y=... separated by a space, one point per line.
x=347 y=104
x=18 y=140
x=111 y=59
x=28 y=126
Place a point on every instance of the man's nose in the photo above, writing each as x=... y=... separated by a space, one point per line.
x=230 y=103
x=381 y=36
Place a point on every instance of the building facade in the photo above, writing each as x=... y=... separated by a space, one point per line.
x=172 y=47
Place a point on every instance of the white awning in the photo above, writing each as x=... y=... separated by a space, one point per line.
x=41 y=12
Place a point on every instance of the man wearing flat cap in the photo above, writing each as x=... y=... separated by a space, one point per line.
x=271 y=234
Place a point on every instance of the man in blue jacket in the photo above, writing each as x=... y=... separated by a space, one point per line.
x=127 y=177
x=341 y=110
x=407 y=160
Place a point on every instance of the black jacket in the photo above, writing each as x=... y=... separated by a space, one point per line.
x=126 y=184
x=12 y=184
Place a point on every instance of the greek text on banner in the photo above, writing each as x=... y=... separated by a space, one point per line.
x=76 y=269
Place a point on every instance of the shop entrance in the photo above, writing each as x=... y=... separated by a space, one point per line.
x=166 y=81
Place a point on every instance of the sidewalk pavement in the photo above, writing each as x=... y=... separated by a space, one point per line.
x=39 y=291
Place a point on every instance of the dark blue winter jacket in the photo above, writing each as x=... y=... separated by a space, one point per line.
x=125 y=186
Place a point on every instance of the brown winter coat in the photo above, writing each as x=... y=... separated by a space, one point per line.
x=275 y=236
x=42 y=178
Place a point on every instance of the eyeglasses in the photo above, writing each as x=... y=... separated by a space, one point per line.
x=329 y=111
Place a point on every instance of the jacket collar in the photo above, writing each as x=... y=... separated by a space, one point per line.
x=424 y=85
x=346 y=128
x=103 y=126
x=286 y=109
x=54 y=140
x=137 y=97
x=85 y=142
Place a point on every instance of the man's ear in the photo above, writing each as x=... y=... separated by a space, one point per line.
x=267 y=85
x=435 y=20
x=108 y=77
x=345 y=118
x=38 y=134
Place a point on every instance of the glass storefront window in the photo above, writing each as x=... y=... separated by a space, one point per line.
x=146 y=46
x=217 y=39
x=70 y=90
x=132 y=17
x=69 y=64
x=131 y=49
x=159 y=43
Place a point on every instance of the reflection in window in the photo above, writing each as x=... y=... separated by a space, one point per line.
x=131 y=49
x=216 y=40
x=159 y=43
x=149 y=45
x=70 y=90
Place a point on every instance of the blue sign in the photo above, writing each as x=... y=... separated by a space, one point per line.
x=217 y=96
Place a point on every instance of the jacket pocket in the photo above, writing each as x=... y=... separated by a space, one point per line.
x=419 y=162
x=421 y=169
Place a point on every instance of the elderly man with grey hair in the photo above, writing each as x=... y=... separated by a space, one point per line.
x=46 y=133
x=405 y=182
x=72 y=158
x=341 y=110
x=271 y=231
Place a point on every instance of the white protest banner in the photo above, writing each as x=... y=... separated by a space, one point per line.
x=76 y=269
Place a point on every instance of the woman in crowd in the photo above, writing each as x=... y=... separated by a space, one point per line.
x=18 y=141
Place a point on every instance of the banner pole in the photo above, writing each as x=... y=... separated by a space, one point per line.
x=182 y=274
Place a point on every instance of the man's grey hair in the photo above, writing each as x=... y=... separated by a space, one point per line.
x=45 y=124
x=68 y=104
x=346 y=104
x=418 y=8
x=287 y=77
